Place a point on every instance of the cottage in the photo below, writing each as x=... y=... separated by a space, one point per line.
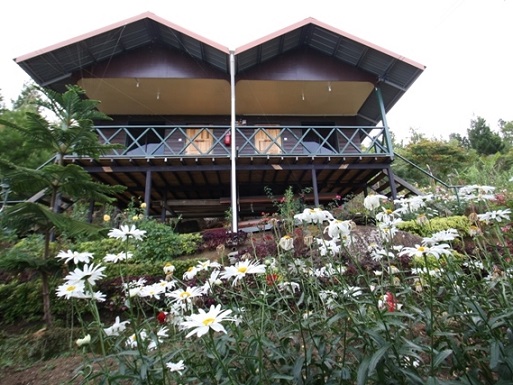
x=205 y=128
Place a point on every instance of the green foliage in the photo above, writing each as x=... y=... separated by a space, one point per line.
x=140 y=269
x=24 y=350
x=163 y=244
x=436 y=157
x=21 y=302
x=27 y=254
x=491 y=170
x=430 y=226
x=71 y=131
x=101 y=247
x=482 y=139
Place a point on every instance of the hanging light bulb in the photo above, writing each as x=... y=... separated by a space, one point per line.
x=329 y=86
x=158 y=95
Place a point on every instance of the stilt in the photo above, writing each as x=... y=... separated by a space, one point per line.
x=147 y=193
x=315 y=190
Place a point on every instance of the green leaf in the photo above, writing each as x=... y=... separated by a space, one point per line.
x=495 y=354
x=363 y=371
x=377 y=356
x=432 y=381
x=441 y=356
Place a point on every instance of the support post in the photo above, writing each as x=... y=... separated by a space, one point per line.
x=233 y=153
x=315 y=188
x=163 y=208
x=90 y=211
x=388 y=139
x=147 y=193
x=391 y=180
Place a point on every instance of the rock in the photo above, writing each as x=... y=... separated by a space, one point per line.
x=366 y=237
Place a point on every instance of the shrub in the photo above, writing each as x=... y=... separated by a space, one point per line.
x=433 y=225
x=162 y=243
x=100 y=248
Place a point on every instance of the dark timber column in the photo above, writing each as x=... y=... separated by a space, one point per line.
x=147 y=193
x=315 y=190
x=90 y=211
x=164 y=204
x=388 y=144
x=393 y=188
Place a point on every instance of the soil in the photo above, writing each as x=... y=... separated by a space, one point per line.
x=56 y=371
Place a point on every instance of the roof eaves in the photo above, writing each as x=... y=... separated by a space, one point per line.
x=148 y=15
x=311 y=20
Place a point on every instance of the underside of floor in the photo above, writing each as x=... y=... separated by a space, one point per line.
x=201 y=187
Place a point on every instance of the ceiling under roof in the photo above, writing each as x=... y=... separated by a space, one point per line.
x=54 y=66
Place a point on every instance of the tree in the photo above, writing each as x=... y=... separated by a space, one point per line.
x=437 y=157
x=506 y=132
x=482 y=139
x=460 y=140
x=29 y=97
x=13 y=146
x=71 y=132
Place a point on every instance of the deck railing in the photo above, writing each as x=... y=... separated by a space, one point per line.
x=251 y=141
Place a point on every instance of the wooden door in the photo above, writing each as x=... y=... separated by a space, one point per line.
x=267 y=141
x=201 y=141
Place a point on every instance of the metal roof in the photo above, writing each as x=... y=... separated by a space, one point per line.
x=53 y=66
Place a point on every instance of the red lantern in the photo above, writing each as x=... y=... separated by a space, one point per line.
x=228 y=139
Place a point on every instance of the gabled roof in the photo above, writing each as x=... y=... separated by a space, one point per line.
x=53 y=66
x=395 y=72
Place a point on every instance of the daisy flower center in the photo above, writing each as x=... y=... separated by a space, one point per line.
x=208 y=321
x=185 y=294
x=242 y=269
x=71 y=288
x=421 y=249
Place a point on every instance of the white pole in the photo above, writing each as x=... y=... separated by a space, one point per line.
x=233 y=144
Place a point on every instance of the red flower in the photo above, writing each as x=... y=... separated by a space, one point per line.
x=390 y=301
x=161 y=317
x=271 y=278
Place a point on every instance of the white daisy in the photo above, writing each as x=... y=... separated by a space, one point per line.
x=116 y=328
x=126 y=232
x=75 y=256
x=176 y=367
x=181 y=295
x=71 y=290
x=241 y=269
x=201 y=323
x=115 y=258
x=89 y=273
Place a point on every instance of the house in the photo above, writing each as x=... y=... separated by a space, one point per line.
x=206 y=129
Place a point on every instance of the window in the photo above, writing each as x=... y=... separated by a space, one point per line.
x=268 y=141
x=200 y=140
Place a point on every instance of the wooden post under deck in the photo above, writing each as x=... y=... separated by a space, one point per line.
x=147 y=193
x=315 y=189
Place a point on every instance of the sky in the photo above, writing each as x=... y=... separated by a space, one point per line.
x=466 y=45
